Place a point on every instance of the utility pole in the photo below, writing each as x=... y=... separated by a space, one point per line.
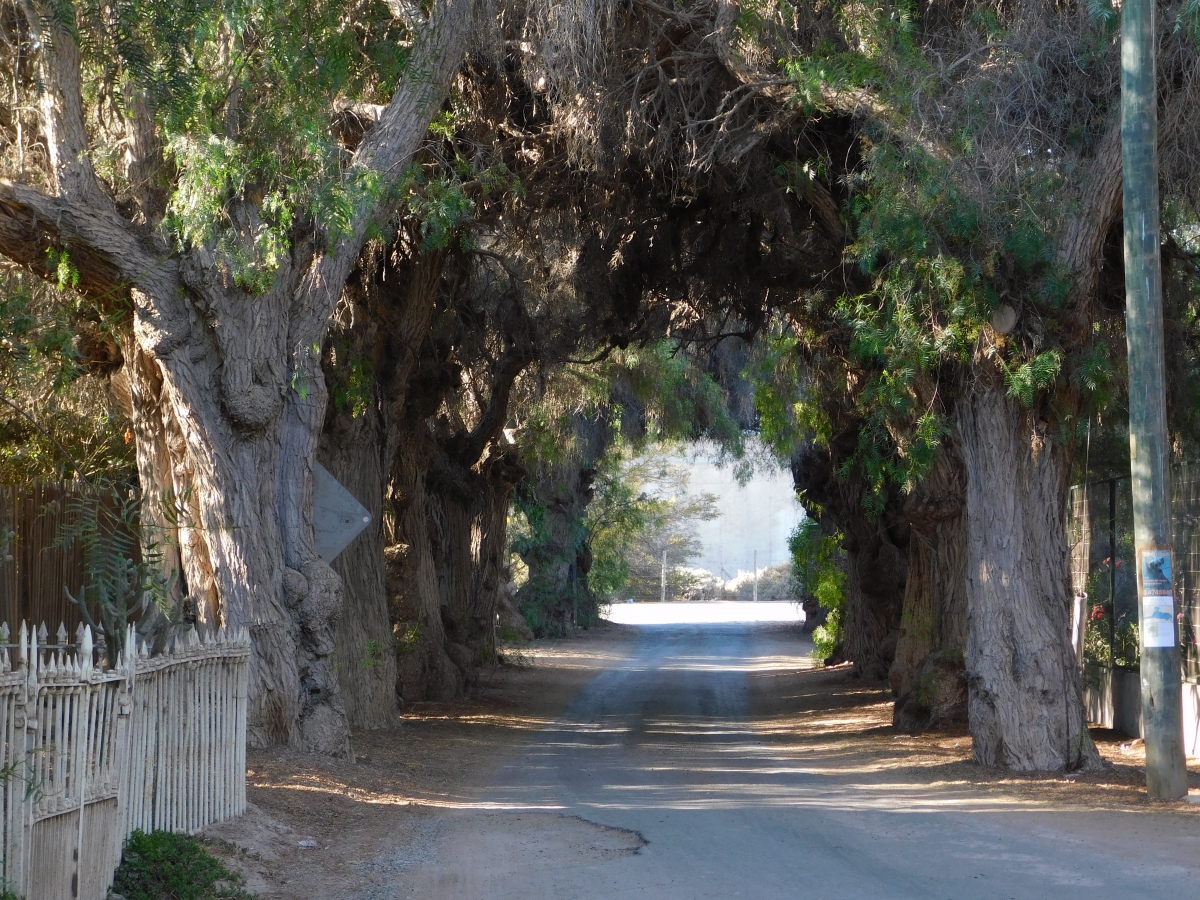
x=663 y=597
x=755 y=576
x=1162 y=705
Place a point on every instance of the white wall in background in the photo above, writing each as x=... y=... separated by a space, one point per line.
x=759 y=516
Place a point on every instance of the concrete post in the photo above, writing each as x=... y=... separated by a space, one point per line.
x=755 y=576
x=1162 y=707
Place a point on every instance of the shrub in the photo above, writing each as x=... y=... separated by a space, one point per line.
x=165 y=866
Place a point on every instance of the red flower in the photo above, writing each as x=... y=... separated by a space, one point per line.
x=1097 y=612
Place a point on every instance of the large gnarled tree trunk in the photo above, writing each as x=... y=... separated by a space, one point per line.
x=425 y=670
x=1024 y=693
x=1023 y=682
x=469 y=529
x=228 y=396
x=370 y=356
x=450 y=487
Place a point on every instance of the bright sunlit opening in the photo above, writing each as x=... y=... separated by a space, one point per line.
x=717 y=611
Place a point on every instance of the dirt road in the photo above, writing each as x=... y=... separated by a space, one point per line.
x=708 y=761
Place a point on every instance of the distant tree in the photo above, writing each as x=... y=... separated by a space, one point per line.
x=669 y=514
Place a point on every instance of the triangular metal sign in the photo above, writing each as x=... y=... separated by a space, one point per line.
x=337 y=516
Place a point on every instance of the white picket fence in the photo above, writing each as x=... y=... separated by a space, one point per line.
x=89 y=755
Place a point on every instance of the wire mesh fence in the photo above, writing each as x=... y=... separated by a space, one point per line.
x=1103 y=571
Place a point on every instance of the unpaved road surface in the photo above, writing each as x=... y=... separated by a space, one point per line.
x=707 y=760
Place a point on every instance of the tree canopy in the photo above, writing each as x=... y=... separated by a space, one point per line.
x=472 y=256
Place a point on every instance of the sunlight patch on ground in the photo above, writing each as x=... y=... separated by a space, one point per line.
x=496 y=720
x=379 y=798
x=713 y=613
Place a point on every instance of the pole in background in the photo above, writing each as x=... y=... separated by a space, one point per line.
x=663 y=598
x=755 y=576
x=1112 y=569
x=575 y=592
x=1162 y=708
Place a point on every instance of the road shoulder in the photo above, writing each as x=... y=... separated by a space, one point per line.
x=325 y=828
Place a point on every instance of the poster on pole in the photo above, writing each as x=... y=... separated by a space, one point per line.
x=1158 y=598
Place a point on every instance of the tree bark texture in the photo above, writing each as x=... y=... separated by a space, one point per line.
x=452 y=499
x=1024 y=692
x=469 y=526
x=383 y=317
x=491 y=574
x=876 y=577
x=365 y=660
x=425 y=670
x=928 y=675
x=450 y=486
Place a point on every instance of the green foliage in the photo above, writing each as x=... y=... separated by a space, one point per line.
x=1033 y=376
x=373 y=658
x=443 y=208
x=940 y=237
x=817 y=563
x=66 y=275
x=57 y=421
x=618 y=514
x=1187 y=21
x=349 y=378
x=637 y=396
x=408 y=636
x=669 y=398
x=828 y=637
x=785 y=419
x=550 y=545
x=829 y=69
x=1127 y=646
x=639 y=508
x=642 y=509
x=121 y=561
x=818 y=568
x=1096 y=640
x=243 y=93
x=160 y=865
x=1122 y=650
x=1028 y=243
x=36 y=334
x=1105 y=13
x=877 y=39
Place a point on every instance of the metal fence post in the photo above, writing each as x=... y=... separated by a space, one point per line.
x=1112 y=570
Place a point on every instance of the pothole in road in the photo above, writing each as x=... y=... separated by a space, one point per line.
x=481 y=849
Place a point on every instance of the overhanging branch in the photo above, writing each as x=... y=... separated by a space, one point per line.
x=107 y=255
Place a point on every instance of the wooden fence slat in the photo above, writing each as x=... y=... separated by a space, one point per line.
x=34 y=582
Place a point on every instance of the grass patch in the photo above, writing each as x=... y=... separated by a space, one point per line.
x=165 y=866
